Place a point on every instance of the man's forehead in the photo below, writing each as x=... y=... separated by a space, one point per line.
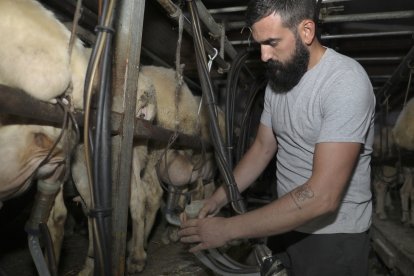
x=269 y=27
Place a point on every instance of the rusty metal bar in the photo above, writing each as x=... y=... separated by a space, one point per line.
x=16 y=102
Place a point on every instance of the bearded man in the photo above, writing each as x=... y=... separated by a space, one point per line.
x=318 y=119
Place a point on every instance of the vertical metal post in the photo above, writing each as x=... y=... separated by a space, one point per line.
x=129 y=24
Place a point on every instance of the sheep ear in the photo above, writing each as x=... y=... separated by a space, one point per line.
x=42 y=141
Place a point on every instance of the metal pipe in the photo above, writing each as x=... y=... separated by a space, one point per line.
x=343 y=36
x=371 y=34
x=334 y=1
x=344 y=18
x=235 y=25
x=379 y=76
x=367 y=16
x=378 y=59
x=244 y=8
x=214 y=28
x=228 y=10
x=174 y=12
x=390 y=85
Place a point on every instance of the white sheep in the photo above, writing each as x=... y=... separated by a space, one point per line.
x=146 y=192
x=34 y=53
x=34 y=57
x=145 y=109
x=183 y=165
x=23 y=150
x=31 y=144
x=403 y=130
x=383 y=178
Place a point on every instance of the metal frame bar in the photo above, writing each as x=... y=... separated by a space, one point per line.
x=130 y=16
x=174 y=11
x=344 y=36
x=367 y=16
x=346 y=18
x=389 y=86
x=243 y=8
x=214 y=28
x=363 y=35
x=16 y=102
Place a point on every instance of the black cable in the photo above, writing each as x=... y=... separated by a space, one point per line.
x=206 y=86
x=101 y=152
x=231 y=88
x=103 y=184
x=244 y=126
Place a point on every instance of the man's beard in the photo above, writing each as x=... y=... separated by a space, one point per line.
x=284 y=76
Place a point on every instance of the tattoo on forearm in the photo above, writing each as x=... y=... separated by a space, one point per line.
x=304 y=192
x=294 y=200
x=301 y=194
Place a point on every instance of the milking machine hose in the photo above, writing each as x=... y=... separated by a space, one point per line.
x=100 y=176
x=244 y=125
x=231 y=88
x=216 y=261
x=46 y=193
x=207 y=90
x=37 y=255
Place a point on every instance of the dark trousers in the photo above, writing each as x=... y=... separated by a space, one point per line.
x=322 y=254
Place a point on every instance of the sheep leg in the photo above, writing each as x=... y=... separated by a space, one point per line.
x=405 y=195
x=137 y=255
x=380 y=191
x=56 y=223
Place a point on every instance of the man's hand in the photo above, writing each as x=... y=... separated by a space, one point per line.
x=210 y=208
x=208 y=233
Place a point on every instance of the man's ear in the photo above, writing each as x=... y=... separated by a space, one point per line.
x=307 y=31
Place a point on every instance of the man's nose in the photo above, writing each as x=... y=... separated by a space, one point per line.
x=266 y=53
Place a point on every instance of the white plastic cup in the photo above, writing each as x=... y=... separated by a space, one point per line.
x=193 y=209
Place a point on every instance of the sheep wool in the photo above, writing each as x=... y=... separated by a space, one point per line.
x=403 y=130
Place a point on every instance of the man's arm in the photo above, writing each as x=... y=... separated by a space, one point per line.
x=321 y=194
x=252 y=164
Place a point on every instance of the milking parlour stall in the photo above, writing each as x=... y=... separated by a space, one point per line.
x=120 y=119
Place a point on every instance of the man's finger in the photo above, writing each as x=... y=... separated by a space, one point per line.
x=189 y=223
x=190 y=239
x=187 y=231
x=183 y=218
x=197 y=248
x=203 y=213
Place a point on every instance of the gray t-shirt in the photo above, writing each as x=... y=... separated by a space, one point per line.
x=333 y=102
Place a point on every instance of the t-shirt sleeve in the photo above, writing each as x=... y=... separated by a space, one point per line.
x=348 y=107
x=266 y=118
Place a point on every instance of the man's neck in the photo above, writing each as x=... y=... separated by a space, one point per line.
x=316 y=51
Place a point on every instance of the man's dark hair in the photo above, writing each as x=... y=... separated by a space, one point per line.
x=292 y=12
